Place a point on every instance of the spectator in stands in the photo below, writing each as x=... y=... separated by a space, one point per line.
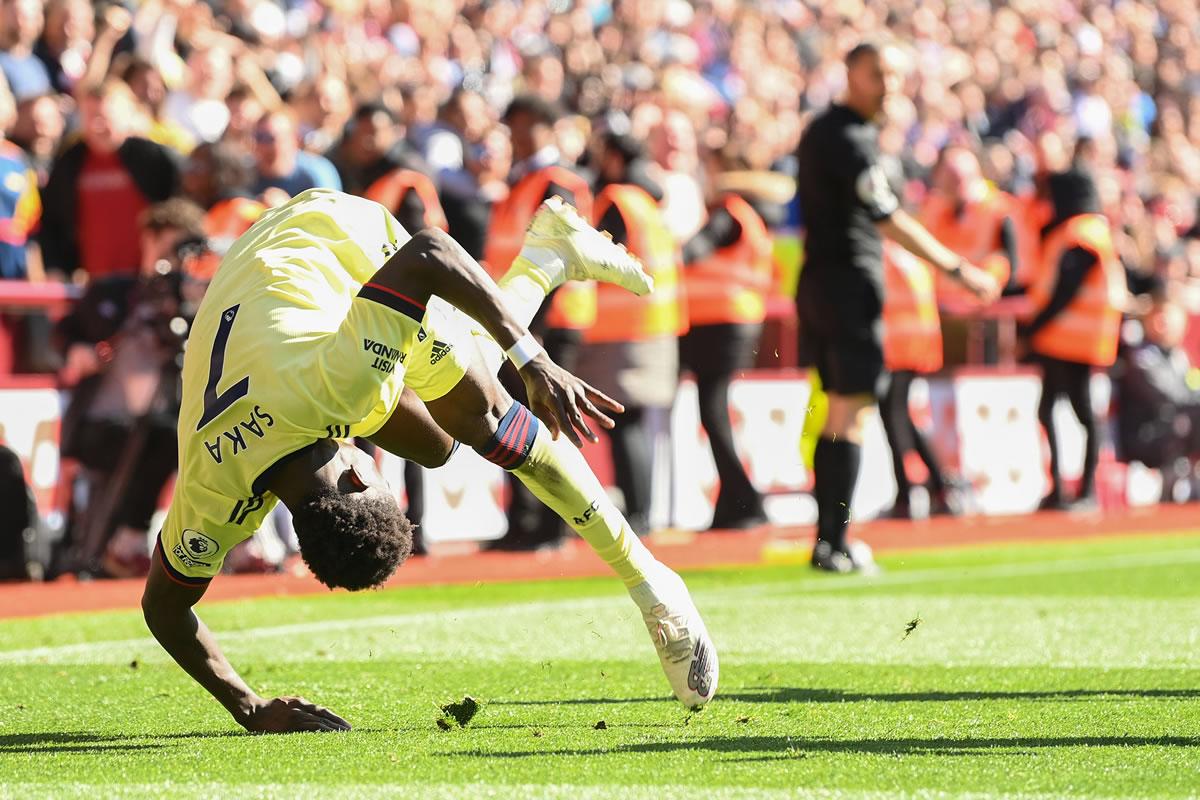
x=1158 y=397
x=147 y=85
x=218 y=178
x=245 y=111
x=544 y=76
x=324 y=109
x=282 y=164
x=1077 y=301
x=200 y=108
x=38 y=130
x=109 y=32
x=215 y=172
x=20 y=203
x=21 y=23
x=470 y=156
x=99 y=187
x=374 y=146
x=633 y=347
x=66 y=42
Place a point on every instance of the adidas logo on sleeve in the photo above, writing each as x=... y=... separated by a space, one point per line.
x=439 y=351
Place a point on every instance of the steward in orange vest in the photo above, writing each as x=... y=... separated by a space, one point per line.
x=912 y=328
x=972 y=218
x=912 y=346
x=730 y=284
x=538 y=175
x=633 y=348
x=728 y=273
x=412 y=199
x=1077 y=301
x=634 y=219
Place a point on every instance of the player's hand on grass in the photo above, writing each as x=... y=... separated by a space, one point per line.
x=561 y=400
x=979 y=282
x=291 y=715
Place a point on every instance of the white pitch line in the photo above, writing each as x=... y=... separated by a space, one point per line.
x=832 y=585
x=381 y=621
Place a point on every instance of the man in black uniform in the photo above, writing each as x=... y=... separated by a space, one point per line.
x=848 y=207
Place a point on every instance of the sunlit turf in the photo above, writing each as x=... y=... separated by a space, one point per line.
x=1064 y=670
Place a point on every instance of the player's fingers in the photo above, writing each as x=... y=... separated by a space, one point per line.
x=545 y=413
x=577 y=418
x=311 y=722
x=326 y=714
x=602 y=400
x=316 y=726
x=565 y=421
x=605 y=421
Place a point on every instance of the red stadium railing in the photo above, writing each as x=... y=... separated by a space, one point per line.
x=48 y=296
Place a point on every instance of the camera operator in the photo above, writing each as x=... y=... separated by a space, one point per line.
x=123 y=345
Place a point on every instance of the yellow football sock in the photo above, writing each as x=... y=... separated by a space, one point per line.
x=534 y=274
x=558 y=475
x=525 y=287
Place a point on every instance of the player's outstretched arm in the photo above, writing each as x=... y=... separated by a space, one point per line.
x=432 y=263
x=167 y=607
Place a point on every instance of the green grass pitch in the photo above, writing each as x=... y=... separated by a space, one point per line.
x=1047 y=671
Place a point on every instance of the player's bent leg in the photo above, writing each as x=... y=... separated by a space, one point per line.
x=411 y=434
x=559 y=246
x=479 y=413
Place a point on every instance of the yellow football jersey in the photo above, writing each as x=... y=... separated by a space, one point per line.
x=291 y=344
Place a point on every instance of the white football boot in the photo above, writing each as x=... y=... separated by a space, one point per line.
x=583 y=253
x=684 y=647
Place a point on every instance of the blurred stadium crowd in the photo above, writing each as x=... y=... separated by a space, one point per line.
x=149 y=134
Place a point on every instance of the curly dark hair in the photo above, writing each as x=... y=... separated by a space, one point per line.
x=352 y=541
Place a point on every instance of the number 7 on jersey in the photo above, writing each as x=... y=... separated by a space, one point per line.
x=215 y=403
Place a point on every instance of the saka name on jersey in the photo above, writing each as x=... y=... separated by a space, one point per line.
x=291 y=344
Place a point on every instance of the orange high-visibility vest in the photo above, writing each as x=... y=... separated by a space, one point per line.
x=229 y=219
x=1031 y=214
x=912 y=329
x=974 y=234
x=622 y=316
x=1088 y=329
x=574 y=304
x=390 y=191
x=732 y=284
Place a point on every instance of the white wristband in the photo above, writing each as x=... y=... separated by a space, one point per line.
x=525 y=350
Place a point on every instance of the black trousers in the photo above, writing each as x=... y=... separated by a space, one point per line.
x=715 y=354
x=633 y=460
x=100 y=445
x=1073 y=380
x=904 y=437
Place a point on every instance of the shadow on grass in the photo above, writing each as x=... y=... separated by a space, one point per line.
x=63 y=742
x=801 y=695
x=57 y=742
x=775 y=748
